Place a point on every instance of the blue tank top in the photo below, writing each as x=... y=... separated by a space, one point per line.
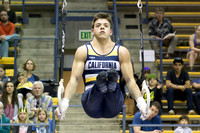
x=95 y=63
x=195 y=41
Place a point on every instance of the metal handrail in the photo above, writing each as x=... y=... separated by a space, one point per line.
x=160 y=125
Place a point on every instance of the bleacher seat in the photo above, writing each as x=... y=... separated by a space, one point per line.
x=158 y=3
x=9 y=72
x=178 y=14
x=191 y=74
x=165 y=131
x=7 y=60
x=181 y=25
x=169 y=61
x=163 y=117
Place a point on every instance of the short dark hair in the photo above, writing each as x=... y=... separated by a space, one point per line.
x=160 y=9
x=178 y=60
x=102 y=15
x=156 y=104
x=3 y=10
x=184 y=117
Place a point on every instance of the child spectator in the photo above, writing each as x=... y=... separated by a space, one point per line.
x=22 y=118
x=5 y=120
x=11 y=14
x=29 y=66
x=183 y=129
x=154 y=88
x=3 y=77
x=24 y=87
x=42 y=117
x=146 y=72
x=193 y=51
x=10 y=100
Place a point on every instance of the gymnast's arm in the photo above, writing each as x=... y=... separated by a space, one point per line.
x=77 y=71
x=127 y=72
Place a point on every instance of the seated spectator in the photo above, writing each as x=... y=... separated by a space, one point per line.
x=158 y=29
x=4 y=120
x=22 y=119
x=146 y=72
x=11 y=14
x=3 y=77
x=154 y=88
x=7 y=30
x=38 y=101
x=24 y=87
x=29 y=66
x=194 y=50
x=43 y=118
x=153 y=119
x=178 y=87
x=184 y=120
x=10 y=100
x=196 y=86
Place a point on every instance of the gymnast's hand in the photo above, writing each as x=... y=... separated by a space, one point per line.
x=141 y=104
x=61 y=110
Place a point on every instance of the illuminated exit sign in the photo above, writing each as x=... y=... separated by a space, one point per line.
x=85 y=35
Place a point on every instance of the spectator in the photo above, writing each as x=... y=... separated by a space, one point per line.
x=43 y=118
x=38 y=101
x=146 y=72
x=11 y=14
x=3 y=77
x=10 y=100
x=24 y=87
x=194 y=50
x=154 y=88
x=153 y=119
x=22 y=119
x=178 y=87
x=196 y=86
x=183 y=129
x=5 y=120
x=158 y=29
x=7 y=35
x=29 y=66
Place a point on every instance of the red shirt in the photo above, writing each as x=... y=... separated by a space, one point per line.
x=8 y=29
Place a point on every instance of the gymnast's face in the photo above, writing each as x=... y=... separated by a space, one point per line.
x=102 y=29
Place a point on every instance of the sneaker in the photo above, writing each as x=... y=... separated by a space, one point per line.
x=112 y=79
x=171 y=112
x=191 y=112
x=101 y=82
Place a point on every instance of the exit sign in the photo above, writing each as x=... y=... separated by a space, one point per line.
x=85 y=35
